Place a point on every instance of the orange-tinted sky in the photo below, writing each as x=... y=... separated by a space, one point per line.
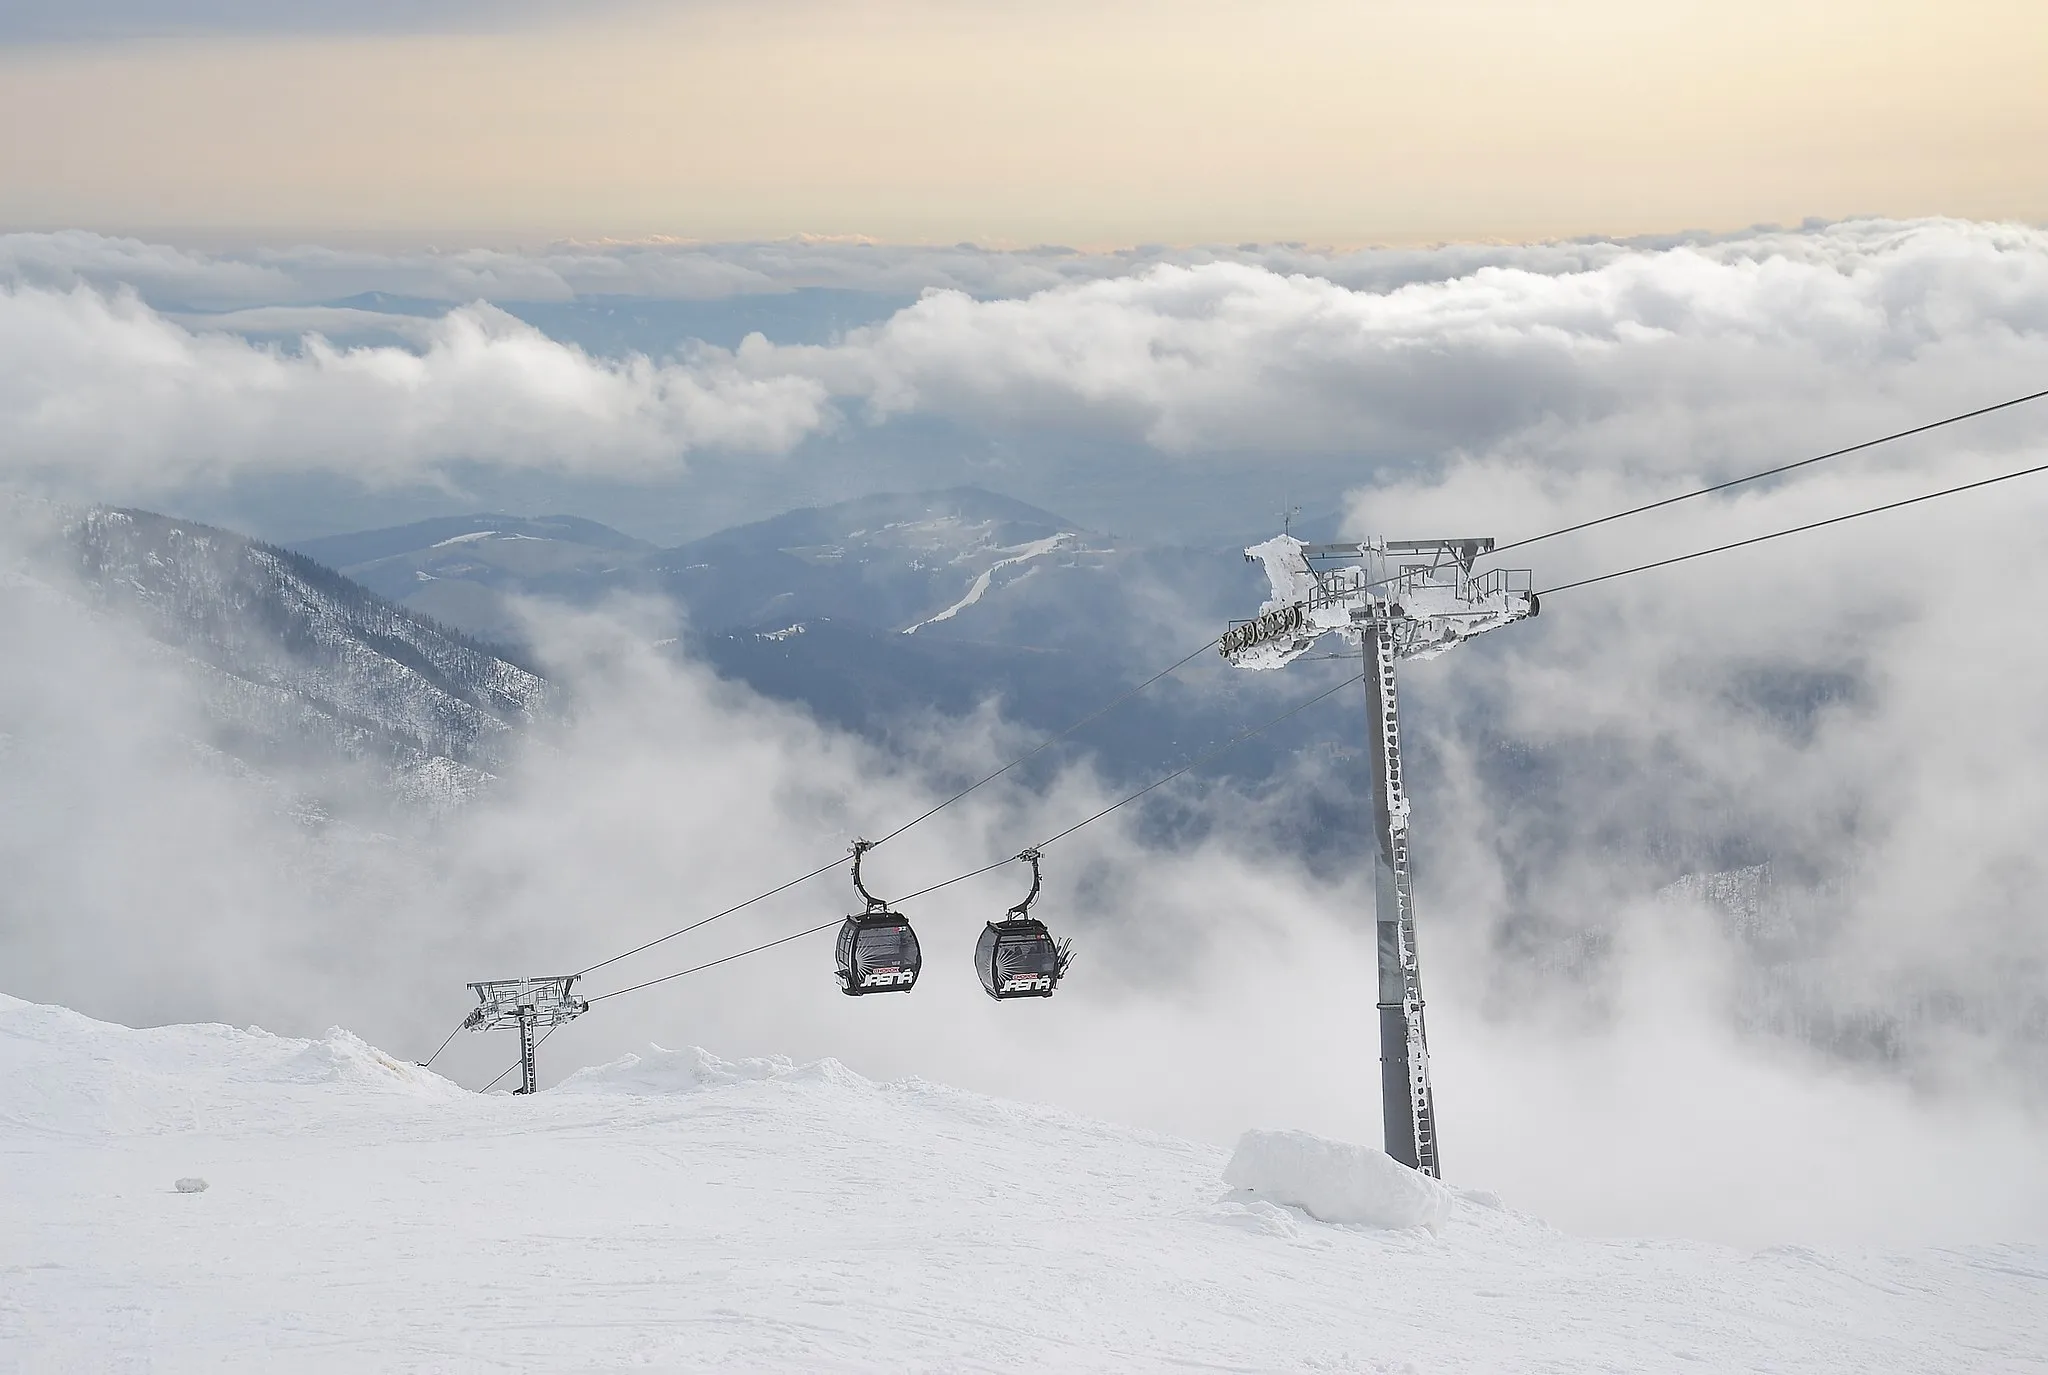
x=1102 y=123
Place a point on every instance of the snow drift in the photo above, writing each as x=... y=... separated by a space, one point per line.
x=68 y=1075
x=1335 y=1181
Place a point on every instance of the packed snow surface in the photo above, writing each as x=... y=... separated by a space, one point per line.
x=1335 y=1181
x=675 y=1211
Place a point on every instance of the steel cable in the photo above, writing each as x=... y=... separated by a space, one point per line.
x=1795 y=530
x=1768 y=472
x=428 y=1063
x=1195 y=763
x=706 y=921
x=1041 y=746
x=712 y=964
x=1048 y=741
x=1231 y=743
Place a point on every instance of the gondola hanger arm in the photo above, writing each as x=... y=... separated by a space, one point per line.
x=1023 y=908
x=861 y=847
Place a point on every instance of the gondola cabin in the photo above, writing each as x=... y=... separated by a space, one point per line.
x=878 y=953
x=1017 y=958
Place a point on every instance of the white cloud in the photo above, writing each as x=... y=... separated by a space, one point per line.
x=78 y=257
x=1644 y=364
x=101 y=393
x=329 y=322
x=689 y=271
x=1675 y=360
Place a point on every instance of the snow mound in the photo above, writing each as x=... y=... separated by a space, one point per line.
x=687 y=1071
x=342 y=1057
x=1335 y=1181
x=68 y=1073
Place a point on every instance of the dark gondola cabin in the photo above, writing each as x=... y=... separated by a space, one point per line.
x=1016 y=958
x=878 y=953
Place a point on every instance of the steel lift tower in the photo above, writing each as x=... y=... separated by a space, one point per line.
x=1394 y=599
x=527 y=1004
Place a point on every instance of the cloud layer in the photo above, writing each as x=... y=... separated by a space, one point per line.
x=174 y=278
x=1666 y=353
x=103 y=393
x=1637 y=362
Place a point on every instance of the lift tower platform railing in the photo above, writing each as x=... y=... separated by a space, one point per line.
x=526 y=1004
x=1394 y=599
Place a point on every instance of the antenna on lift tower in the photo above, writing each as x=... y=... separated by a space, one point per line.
x=1395 y=599
x=526 y=1004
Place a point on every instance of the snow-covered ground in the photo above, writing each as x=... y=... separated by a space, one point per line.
x=674 y=1211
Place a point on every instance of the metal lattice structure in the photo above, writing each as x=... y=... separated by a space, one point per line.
x=526 y=1004
x=1394 y=599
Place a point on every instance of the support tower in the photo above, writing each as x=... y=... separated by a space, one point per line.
x=1393 y=599
x=527 y=1004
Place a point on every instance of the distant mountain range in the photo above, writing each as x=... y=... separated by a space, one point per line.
x=466 y=571
x=303 y=669
x=885 y=562
x=395 y=654
x=870 y=612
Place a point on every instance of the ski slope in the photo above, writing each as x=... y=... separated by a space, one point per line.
x=673 y=1211
x=984 y=579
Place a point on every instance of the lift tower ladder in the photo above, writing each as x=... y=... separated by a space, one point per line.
x=1394 y=599
x=1404 y=1042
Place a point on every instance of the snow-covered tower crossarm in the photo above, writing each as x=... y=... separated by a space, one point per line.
x=1393 y=599
x=1426 y=592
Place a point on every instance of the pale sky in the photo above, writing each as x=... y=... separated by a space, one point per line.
x=1092 y=124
